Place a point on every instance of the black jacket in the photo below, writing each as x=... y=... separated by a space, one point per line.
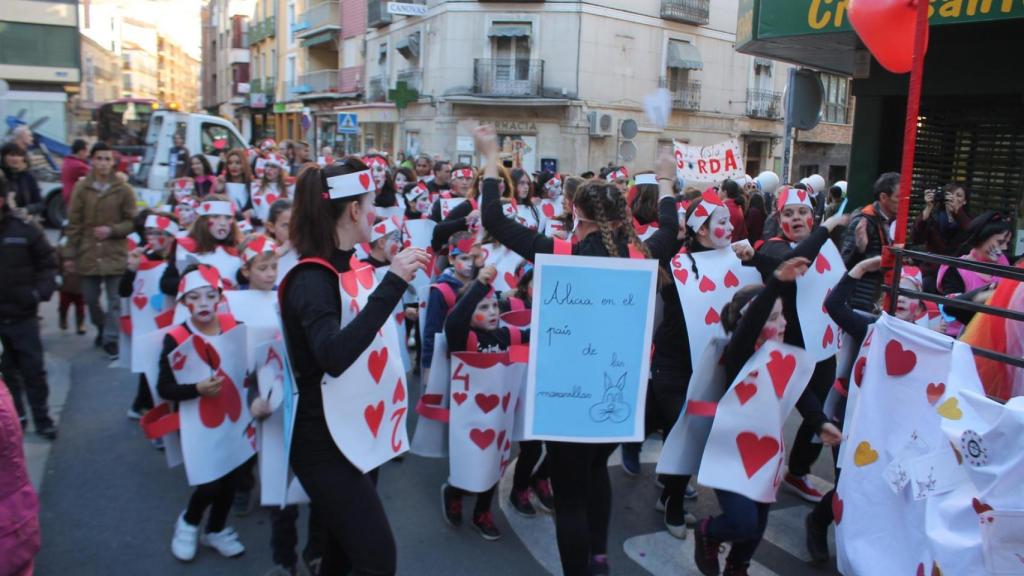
x=29 y=267
x=865 y=294
x=26 y=190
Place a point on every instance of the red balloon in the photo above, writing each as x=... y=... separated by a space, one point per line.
x=887 y=29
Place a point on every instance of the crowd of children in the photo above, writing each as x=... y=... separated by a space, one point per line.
x=344 y=260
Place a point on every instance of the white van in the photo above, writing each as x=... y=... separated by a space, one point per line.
x=203 y=135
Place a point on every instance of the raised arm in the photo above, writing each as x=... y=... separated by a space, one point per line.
x=456 y=327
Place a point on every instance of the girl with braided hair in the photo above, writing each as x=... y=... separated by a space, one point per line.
x=579 y=472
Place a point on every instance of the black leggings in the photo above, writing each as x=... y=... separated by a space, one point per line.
x=583 y=502
x=822 y=515
x=530 y=453
x=805 y=452
x=284 y=535
x=483 y=499
x=358 y=538
x=216 y=496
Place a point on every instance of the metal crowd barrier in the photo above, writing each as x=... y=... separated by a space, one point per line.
x=995 y=270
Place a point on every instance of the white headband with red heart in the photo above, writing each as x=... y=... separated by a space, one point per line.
x=162 y=223
x=708 y=202
x=383 y=228
x=553 y=182
x=378 y=160
x=789 y=195
x=348 y=185
x=620 y=174
x=258 y=245
x=466 y=173
x=216 y=208
x=420 y=189
x=201 y=277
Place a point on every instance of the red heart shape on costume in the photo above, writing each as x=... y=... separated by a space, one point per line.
x=821 y=264
x=376 y=362
x=745 y=391
x=206 y=352
x=482 y=438
x=755 y=451
x=712 y=317
x=858 y=369
x=364 y=181
x=399 y=393
x=163 y=222
x=801 y=194
x=508 y=444
x=501 y=438
x=374 y=415
x=400 y=318
x=837 y=509
x=898 y=361
x=887 y=28
x=731 y=281
x=178 y=360
x=980 y=507
x=257 y=200
x=781 y=368
x=505 y=400
x=549 y=210
x=140 y=301
x=487 y=402
x=365 y=276
x=271 y=198
x=380 y=228
x=511 y=280
x=935 y=391
x=681 y=275
x=227 y=403
x=828 y=338
x=700 y=211
x=459 y=397
x=706 y=284
x=206 y=206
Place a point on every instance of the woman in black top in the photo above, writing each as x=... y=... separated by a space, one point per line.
x=360 y=539
x=579 y=472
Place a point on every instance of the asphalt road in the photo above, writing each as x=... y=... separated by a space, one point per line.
x=109 y=502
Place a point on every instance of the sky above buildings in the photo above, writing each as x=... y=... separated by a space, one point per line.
x=179 y=19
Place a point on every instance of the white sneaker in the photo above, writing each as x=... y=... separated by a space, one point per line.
x=226 y=542
x=185 y=540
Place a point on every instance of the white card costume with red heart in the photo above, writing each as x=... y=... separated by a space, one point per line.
x=263 y=197
x=418 y=234
x=745 y=450
x=551 y=207
x=898 y=505
x=366 y=406
x=484 y=392
x=525 y=216
x=505 y=261
x=645 y=231
x=278 y=486
x=821 y=333
x=703 y=295
x=430 y=438
x=684 y=445
x=449 y=204
x=150 y=310
x=399 y=316
x=990 y=439
x=258 y=310
x=226 y=260
x=217 y=433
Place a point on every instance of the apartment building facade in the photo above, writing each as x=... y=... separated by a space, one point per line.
x=225 y=61
x=564 y=81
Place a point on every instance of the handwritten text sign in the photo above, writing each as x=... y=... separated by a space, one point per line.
x=590 y=347
x=709 y=163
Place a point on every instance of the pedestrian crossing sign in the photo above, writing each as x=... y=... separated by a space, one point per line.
x=348 y=124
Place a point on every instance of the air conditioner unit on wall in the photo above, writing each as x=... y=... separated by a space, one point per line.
x=601 y=124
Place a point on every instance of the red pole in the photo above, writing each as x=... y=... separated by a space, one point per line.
x=910 y=130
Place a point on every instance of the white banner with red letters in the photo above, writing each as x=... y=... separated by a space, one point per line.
x=709 y=163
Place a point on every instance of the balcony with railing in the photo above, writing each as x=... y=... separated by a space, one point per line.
x=319 y=18
x=377 y=15
x=412 y=78
x=377 y=89
x=260 y=31
x=836 y=113
x=686 y=96
x=265 y=85
x=764 y=104
x=317 y=82
x=686 y=11
x=508 y=77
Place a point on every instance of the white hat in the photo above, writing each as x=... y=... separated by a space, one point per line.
x=767 y=181
x=816 y=182
x=216 y=208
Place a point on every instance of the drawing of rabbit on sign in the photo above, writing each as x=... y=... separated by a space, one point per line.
x=612 y=407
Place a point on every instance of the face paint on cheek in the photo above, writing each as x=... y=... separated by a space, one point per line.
x=370 y=217
x=479 y=318
x=719 y=232
x=785 y=228
x=809 y=222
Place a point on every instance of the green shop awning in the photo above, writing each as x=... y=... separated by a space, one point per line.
x=509 y=31
x=818 y=33
x=684 y=56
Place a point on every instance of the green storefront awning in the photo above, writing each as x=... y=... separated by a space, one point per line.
x=818 y=33
x=509 y=31
x=684 y=56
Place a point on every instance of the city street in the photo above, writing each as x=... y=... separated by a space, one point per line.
x=109 y=501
